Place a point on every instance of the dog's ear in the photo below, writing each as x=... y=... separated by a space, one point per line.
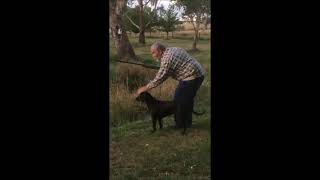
x=140 y=97
x=148 y=96
x=147 y=93
x=137 y=97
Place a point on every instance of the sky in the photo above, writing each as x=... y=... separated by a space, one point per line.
x=165 y=3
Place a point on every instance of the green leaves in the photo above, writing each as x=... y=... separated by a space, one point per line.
x=194 y=8
x=131 y=19
x=168 y=19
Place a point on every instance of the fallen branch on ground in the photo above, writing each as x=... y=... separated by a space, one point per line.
x=140 y=64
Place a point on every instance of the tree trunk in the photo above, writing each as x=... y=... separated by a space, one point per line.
x=198 y=27
x=142 y=25
x=196 y=33
x=195 y=38
x=167 y=35
x=206 y=23
x=142 y=37
x=120 y=38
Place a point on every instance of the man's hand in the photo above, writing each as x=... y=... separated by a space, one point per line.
x=141 y=90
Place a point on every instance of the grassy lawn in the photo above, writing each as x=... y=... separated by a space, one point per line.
x=135 y=153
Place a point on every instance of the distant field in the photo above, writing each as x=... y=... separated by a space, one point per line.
x=187 y=34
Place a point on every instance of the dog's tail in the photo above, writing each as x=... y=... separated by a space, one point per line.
x=198 y=113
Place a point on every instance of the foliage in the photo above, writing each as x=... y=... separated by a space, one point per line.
x=197 y=12
x=133 y=13
x=191 y=8
x=168 y=19
x=151 y=19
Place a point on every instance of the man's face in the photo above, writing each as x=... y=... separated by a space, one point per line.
x=156 y=54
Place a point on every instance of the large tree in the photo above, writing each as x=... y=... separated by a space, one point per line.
x=142 y=22
x=131 y=19
x=195 y=12
x=118 y=30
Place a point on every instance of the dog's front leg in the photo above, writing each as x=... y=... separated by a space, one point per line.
x=184 y=122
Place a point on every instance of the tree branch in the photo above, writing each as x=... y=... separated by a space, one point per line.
x=198 y=20
x=147 y=3
x=155 y=5
x=140 y=64
x=192 y=22
x=132 y=22
x=154 y=10
x=148 y=23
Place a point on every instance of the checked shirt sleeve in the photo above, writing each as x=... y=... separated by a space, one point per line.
x=163 y=72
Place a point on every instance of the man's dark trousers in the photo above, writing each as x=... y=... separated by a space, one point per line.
x=183 y=97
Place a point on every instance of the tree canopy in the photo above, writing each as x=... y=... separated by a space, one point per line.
x=131 y=19
x=168 y=19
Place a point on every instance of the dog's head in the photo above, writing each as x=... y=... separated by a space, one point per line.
x=144 y=97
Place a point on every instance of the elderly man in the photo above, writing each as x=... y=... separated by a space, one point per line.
x=178 y=64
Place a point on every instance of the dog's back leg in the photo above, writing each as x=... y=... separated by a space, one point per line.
x=179 y=116
x=160 y=122
x=154 y=123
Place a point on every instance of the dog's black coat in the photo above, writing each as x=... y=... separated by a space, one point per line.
x=160 y=109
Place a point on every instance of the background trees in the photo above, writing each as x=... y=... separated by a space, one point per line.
x=168 y=20
x=143 y=22
x=140 y=16
x=132 y=19
x=196 y=11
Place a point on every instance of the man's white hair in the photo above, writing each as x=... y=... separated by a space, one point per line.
x=158 y=46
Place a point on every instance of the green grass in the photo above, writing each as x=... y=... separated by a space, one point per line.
x=136 y=153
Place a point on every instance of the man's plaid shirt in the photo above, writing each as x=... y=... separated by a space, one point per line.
x=179 y=65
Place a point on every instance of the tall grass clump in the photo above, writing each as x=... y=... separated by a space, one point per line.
x=132 y=76
x=123 y=107
x=125 y=80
